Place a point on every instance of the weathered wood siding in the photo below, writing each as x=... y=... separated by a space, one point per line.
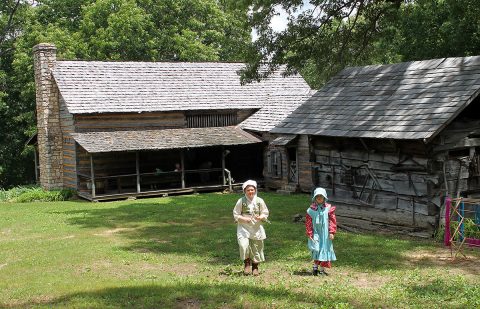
x=244 y=114
x=69 y=154
x=130 y=121
x=386 y=182
x=274 y=182
x=304 y=164
x=458 y=146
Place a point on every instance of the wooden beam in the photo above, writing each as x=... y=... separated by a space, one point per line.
x=223 y=165
x=182 y=167
x=92 y=176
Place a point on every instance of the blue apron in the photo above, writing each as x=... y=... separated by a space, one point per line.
x=322 y=247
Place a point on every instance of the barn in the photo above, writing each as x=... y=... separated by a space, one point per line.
x=388 y=142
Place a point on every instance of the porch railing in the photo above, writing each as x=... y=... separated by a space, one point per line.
x=153 y=181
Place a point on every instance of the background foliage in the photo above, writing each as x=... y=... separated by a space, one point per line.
x=322 y=37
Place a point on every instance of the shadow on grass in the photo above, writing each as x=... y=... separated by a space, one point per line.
x=203 y=226
x=193 y=295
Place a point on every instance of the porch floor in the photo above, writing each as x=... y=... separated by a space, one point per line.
x=114 y=195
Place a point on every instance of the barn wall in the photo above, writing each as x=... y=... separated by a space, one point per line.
x=458 y=146
x=386 y=182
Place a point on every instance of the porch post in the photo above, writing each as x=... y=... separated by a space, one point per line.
x=137 y=167
x=92 y=174
x=182 y=159
x=223 y=166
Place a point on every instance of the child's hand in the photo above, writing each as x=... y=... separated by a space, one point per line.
x=331 y=236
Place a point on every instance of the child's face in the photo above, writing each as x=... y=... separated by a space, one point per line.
x=319 y=199
x=250 y=191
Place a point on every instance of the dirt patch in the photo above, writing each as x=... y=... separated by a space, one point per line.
x=114 y=231
x=367 y=280
x=443 y=257
x=183 y=269
x=190 y=303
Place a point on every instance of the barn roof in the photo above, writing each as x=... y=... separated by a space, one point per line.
x=410 y=100
x=277 y=107
x=122 y=87
x=95 y=142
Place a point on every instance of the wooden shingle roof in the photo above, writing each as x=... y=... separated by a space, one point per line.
x=278 y=106
x=96 y=142
x=118 y=87
x=410 y=100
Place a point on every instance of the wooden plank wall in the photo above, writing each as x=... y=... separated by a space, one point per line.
x=304 y=165
x=405 y=192
x=274 y=182
x=129 y=121
x=459 y=147
x=69 y=156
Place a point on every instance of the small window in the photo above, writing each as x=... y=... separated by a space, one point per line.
x=275 y=164
x=211 y=120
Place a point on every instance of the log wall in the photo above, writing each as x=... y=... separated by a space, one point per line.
x=69 y=153
x=379 y=181
x=129 y=121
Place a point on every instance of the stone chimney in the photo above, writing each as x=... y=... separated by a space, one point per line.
x=49 y=133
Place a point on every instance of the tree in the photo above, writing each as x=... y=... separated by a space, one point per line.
x=435 y=29
x=12 y=167
x=322 y=38
x=325 y=36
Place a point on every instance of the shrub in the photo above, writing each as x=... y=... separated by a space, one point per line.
x=35 y=194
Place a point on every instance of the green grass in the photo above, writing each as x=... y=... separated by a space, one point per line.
x=182 y=252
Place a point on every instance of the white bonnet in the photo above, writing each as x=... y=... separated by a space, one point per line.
x=249 y=183
x=320 y=191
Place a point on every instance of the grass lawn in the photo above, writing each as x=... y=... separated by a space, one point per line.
x=181 y=252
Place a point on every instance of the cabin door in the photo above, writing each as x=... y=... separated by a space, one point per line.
x=292 y=165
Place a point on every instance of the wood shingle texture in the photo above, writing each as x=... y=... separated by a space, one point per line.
x=117 y=87
x=279 y=106
x=96 y=142
x=410 y=100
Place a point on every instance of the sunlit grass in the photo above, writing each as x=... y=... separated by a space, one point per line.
x=182 y=252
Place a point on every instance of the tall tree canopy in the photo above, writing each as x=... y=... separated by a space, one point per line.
x=13 y=14
x=324 y=36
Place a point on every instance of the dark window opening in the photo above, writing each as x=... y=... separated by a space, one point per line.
x=211 y=120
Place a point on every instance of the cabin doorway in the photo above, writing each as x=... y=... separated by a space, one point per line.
x=292 y=165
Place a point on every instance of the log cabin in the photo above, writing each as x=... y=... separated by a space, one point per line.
x=388 y=142
x=111 y=130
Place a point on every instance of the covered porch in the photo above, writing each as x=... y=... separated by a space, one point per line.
x=122 y=164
